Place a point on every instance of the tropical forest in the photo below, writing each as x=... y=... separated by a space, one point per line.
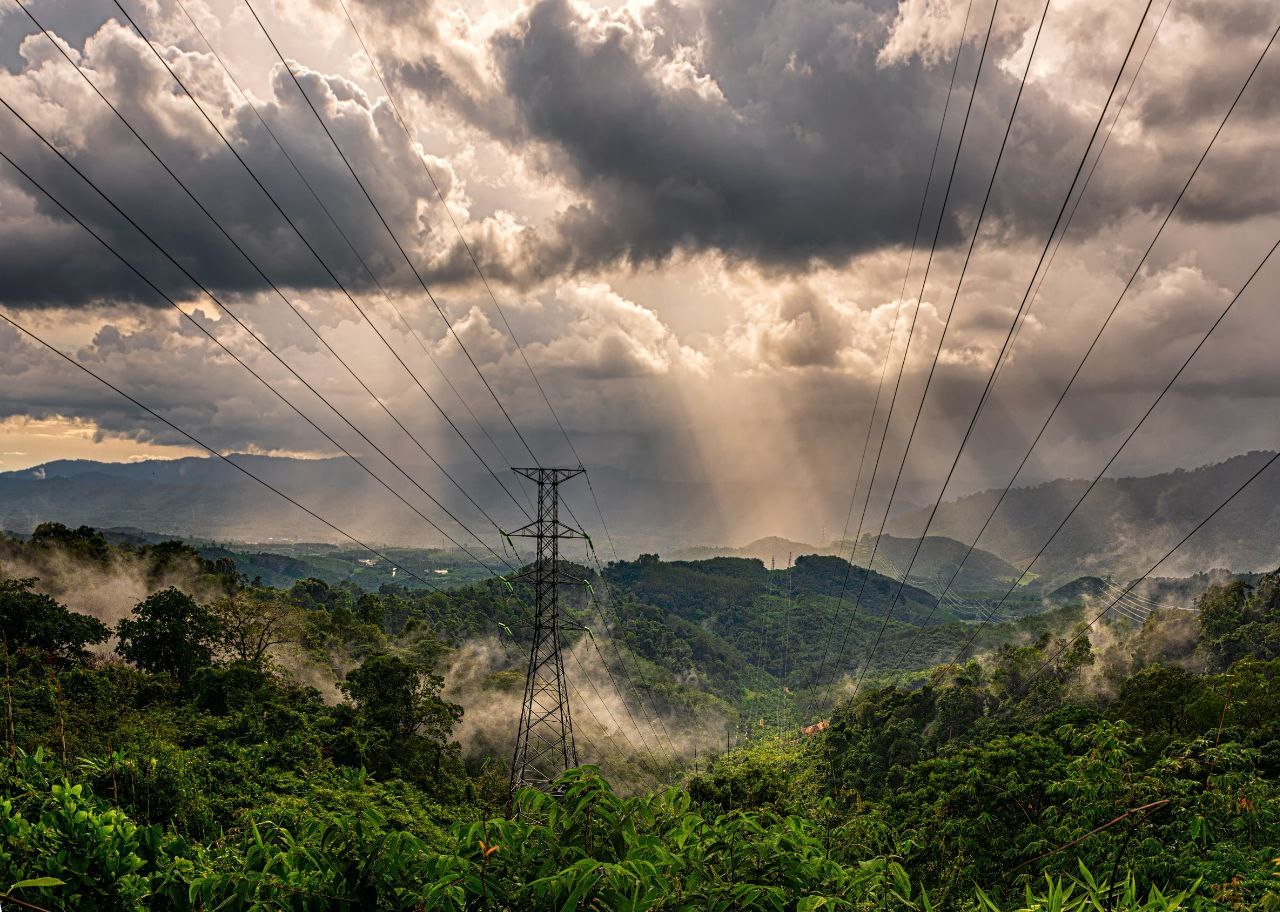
x=199 y=763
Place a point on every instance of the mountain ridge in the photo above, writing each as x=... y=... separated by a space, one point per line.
x=1125 y=524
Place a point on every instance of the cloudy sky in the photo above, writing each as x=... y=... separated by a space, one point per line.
x=696 y=217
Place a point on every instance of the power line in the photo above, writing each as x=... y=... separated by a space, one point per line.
x=621 y=699
x=884 y=368
x=48 y=194
x=608 y=710
x=253 y=263
x=592 y=555
x=835 y=612
x=1154 y=605
x=619 y=657
x=591 y=489
x=338 y=282
x=385 y=224
x=373 y=64
x=1026 y=295
x=888 y=613
x=1008 y=348
x=1172 y=380
x=400 y=119
x=363 y=262
x=475 y=261
x=1004 y=142
x=1125 y=611
x=1089 y=177
x=1134 y=607
x=1106 y=322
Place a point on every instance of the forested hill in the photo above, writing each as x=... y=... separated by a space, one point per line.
x=221 y=744
x=791 y=623
x=714 y=628
x=712 y=589
x=936 y=561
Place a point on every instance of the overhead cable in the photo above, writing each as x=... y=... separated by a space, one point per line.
x=1026 y=296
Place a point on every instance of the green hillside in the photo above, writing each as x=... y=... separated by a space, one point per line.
x=233 y=745
x=937 y=560
x=938 y=557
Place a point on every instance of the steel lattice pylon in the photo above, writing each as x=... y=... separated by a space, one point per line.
x=544 y=740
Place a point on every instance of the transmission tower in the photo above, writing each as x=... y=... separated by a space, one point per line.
x=544 y=740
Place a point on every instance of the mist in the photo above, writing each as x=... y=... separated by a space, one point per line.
x=634 y=745
x=108 y=592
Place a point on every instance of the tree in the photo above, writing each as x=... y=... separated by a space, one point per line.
x=1238 y=621
x=313 y=593
x=1016 y=667
x=371 y=609
x=170 y=632
x=33 y=620
x=86 y=543
x=397 y=697
x=1223 y=612
x=254 y=622
x=1162 y=698
x=402 y=723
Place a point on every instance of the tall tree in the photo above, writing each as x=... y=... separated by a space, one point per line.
x=33 y=620
x=170 y=632
x=254 y=622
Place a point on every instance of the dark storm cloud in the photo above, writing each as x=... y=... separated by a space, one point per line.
x=49 y=261
x=776 y=131
x=790 y=154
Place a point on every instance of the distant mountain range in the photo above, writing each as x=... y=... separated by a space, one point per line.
x=1124 y=525
x=768 y=550
x=206 y=498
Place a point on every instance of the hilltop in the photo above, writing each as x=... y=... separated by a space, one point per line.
x=938 y=557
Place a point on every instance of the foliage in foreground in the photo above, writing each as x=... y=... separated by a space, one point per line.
x=587 y=849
